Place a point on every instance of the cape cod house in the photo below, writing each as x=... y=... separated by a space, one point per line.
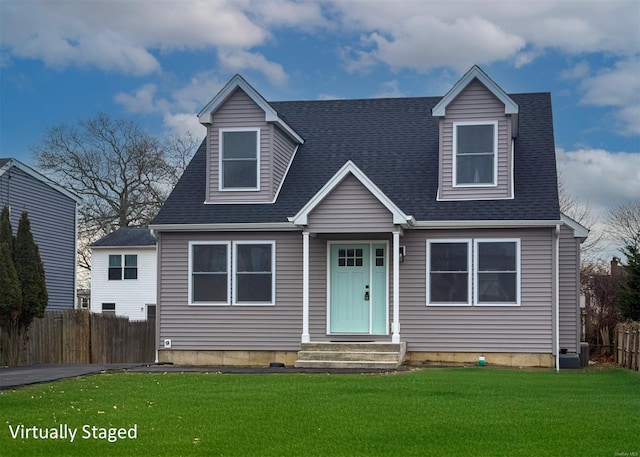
x=52 y=211
x=368 y=232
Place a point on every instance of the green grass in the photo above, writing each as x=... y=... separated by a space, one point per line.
x=463 y=411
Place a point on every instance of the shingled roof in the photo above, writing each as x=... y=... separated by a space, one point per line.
x=394 y=141
x=127 y=237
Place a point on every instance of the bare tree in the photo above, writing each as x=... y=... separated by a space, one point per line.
x=581 y=212
x=599 y=284
x=623 y=223
x=122 y=173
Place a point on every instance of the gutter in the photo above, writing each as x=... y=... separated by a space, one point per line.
x=233 y=227
x=458 y=224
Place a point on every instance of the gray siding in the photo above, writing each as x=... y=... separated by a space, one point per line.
x=239 y=111
x=282 y=149
x=524 y=328
x=276 y=150
x=53 y=224
x=569 y=290
x=475 y=103
x=350 y=208
x=527 y=328
x=276 y=327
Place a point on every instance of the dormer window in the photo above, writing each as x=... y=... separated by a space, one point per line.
x=239 y=159
x=475 y=159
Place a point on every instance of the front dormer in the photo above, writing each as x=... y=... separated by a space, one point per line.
x=477 y=123
x=249 y=147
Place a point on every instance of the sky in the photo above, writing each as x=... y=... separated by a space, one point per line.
x=158 y=62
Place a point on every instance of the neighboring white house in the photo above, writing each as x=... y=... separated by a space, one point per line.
x=123 y=274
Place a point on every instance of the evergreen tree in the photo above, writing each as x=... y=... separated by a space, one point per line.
x=6 y=232
x=10 y=294
x=629 y=293
x=10 y=305
x=30 y=273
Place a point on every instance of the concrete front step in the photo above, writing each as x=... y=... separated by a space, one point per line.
x=351 y=355
x=371 y=365
x=353 y=346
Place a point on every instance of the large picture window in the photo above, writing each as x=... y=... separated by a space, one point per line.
x=475 y=149
x=449 y=279
x=238 y=273
x=239 y=159
x=497 y=272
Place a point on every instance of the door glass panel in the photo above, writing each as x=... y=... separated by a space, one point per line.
x=350 y=257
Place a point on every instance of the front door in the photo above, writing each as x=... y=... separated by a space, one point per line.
x=358 y=292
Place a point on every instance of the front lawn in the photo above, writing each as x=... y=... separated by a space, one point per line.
x=452 y=412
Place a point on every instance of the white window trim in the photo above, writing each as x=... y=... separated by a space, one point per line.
x=190 y=279
x=518 y=270
x=272 y=243
x=122 y=267
x=455 y=154
x=470 y=272
x=221 y=187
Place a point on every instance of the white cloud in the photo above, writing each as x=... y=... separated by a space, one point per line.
x=237 y=61
x=143 y=100
x=120 y=35
x=602 y=178
x=279 y=13
x=389 y=89
x=617 y=87
x=416 y=34
x=468 y=41
x=176 y=107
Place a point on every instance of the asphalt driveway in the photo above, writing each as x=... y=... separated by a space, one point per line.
x=32 y=374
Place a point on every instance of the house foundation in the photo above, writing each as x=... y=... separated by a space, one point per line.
x=289 y=358
x=227 y=358
x=507 y=359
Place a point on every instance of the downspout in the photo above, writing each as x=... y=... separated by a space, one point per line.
x=157 y=297
x=557 y=298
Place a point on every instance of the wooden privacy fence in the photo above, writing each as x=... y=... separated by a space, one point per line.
x=628 y=345
x=78 y=336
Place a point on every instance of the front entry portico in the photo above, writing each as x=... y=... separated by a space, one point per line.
x=350 y=203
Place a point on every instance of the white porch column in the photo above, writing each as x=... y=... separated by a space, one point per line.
x=395 y=338
x=305 y=287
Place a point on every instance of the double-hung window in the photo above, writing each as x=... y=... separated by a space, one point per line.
x=209 y=275
x=238 y=273
x=240 y=159
x=448 y=272
x=482 y=272
x=123 y=270
x=475 y=148
x=254 y=263
x=497 y=264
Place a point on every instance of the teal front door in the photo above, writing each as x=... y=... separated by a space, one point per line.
x=358 y=292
